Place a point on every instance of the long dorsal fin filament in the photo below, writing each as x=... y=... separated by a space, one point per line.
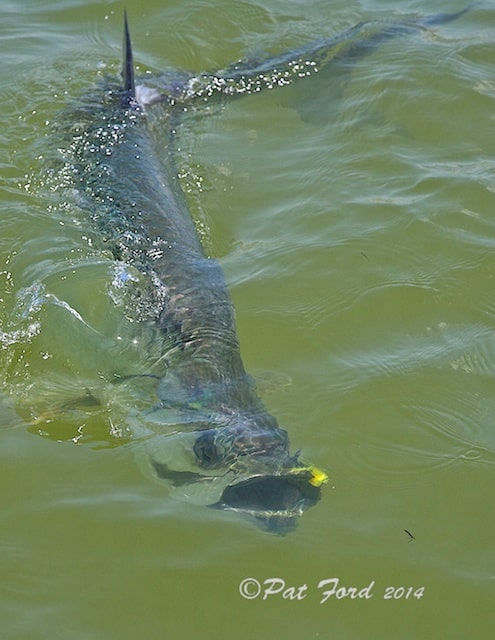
x=128 y=66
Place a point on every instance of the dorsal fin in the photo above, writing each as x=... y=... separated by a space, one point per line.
x=128 y=65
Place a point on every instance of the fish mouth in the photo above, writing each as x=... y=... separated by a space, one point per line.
x=275 y=502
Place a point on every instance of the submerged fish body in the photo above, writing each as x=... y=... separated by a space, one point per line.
x=211 y=435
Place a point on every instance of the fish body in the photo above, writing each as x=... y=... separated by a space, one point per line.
x=211 y=431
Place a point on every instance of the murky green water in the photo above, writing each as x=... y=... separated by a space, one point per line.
x=353 y=218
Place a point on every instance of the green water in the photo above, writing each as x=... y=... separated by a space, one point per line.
x=354 y=224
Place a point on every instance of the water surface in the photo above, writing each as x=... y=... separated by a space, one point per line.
x=353 y=217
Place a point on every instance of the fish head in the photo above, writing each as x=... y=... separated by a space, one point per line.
x=244 y=467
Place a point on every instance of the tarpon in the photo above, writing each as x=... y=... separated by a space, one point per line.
x=211 y=435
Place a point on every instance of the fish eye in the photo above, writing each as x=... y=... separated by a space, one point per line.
x=206 y=451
